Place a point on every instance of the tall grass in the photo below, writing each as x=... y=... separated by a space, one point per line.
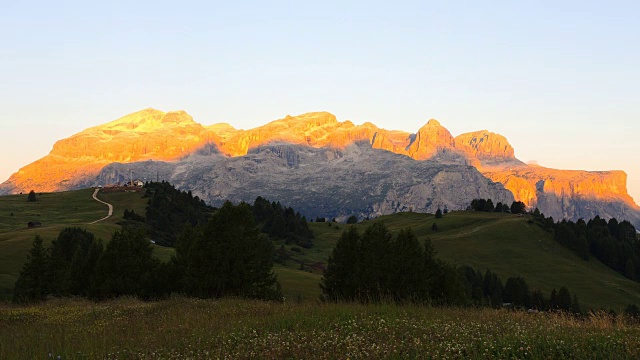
x=181 y=328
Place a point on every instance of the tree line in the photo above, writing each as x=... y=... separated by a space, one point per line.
x=375 y=265
x=615 y=243
x=281 y=222
x=226 y=256
x=170 y=210
x=486 y=205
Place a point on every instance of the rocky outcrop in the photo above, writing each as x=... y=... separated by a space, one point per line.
x=175 y=145
x=485 y=146
x=356 y=180
x=431 y=140
x=569 y=193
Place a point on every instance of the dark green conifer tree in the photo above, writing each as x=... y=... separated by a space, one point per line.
x=553 y=300
x=229 y=257
x=488 y=206
x=375 y=266
x=408 y=272
x=339 y=282
x=516 y=291
x=32 y=283
x=126 y=267
x=564 y=299
x=537 y=300
x=68 y=269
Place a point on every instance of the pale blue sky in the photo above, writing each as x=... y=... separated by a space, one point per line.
x=560 y=79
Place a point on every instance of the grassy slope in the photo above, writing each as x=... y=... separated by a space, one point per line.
x=504 y=243
x=56 y=211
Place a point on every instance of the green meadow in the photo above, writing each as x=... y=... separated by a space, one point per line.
x=56 y=211
x=504 y=243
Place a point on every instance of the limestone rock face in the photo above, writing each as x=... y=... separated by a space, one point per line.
x=570 y=194
x=485 y=146
x=431 y=140
x=314 y=148
x=356 y=180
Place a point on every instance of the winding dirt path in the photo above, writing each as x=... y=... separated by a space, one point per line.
x=106 y=203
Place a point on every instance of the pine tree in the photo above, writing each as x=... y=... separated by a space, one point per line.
x=83 y=267
x=493 y=289
x=564 y=299
x=516 y=291
x=31 y=285
x=537 y=300
x=553 y=299
x=518 y=207
x=438 y=213
x=575 y=305
x=126 y=267
x=69 y=251
x=229 y=257
x=488 y=206
x=408 y=272
x=32 y=196
x=339 y=282
x=375 y=266
x=447 y=285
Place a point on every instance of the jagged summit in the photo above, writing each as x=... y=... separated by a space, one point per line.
x=486 y=146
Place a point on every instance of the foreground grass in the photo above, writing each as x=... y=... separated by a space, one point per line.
x=230 y=328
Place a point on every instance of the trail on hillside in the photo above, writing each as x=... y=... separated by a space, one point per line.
x=478 y=228
x=106 y=203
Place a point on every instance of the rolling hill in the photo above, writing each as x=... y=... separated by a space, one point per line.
x=504 y=243
x=56 y=211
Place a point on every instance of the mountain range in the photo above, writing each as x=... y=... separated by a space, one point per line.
x=322 y=167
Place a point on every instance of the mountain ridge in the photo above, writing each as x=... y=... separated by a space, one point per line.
x=154 y=135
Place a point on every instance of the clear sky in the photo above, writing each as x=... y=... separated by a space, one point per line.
x=559 y=79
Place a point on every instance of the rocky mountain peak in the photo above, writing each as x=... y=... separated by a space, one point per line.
x=485 y=146
x=430 y=141
x=147 y=120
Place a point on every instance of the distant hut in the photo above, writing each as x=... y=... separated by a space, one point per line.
x=33 y=224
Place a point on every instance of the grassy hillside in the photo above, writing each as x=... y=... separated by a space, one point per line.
x=504 y=243
x=182 y=328
x=56 y=211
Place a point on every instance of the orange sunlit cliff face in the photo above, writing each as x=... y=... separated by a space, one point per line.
x=147 y=134
x=155 y=135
